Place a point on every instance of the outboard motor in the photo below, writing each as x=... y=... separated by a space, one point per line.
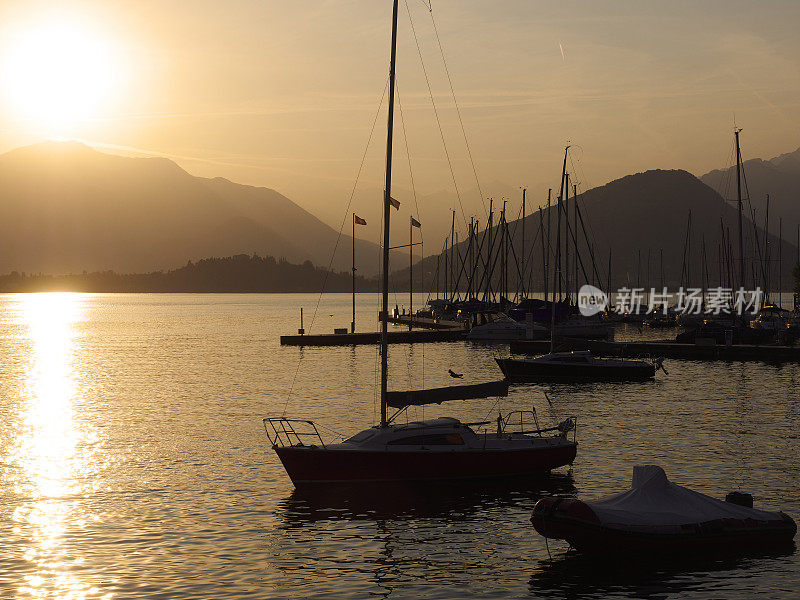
x=740 y=498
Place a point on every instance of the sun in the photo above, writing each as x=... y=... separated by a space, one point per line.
x=57 y=75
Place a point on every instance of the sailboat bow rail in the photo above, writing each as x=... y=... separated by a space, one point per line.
x=292 y=432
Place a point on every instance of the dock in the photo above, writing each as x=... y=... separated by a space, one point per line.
x=666 y=349
x=426 y=323
x=374 y=337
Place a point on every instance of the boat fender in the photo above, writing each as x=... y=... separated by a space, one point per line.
x=740 y=498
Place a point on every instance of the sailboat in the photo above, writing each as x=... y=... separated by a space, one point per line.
x=572 y=366
x=434 y=449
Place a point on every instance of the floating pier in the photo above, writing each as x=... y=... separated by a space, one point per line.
x=374 y=337
x=666 y=349
x=426 y=323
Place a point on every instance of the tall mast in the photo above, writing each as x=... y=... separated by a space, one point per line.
x=647 y=278
x=563 y=204
x=506 y=242
x=471 y=258
x=556 y=273
x=544 y=256
x=767 y=258
x=522 y=277
x=488 y=270
x=780 y=262
x=387 y=195
x=410 y=271
x=705 y=270
x=446 y=255
x=739 y=200
x=575 y=236
x=438 y=287
x=452 y=262
x=353 y=322
x=549 y=246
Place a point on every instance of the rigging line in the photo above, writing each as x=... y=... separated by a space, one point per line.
x=436 y=114
x=414 y=194
x=408 y=156
x=421 y=238
x=458 y=109
x=338 y=237
x=583 y=185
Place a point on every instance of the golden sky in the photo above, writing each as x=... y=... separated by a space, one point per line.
x=283 y=94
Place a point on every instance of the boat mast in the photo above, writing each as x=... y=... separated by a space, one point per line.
x=452 y=262
x=575 y=237
x=488 y=270
x=353 y=322
x=503 y=255
x=387 y=195
x=471 y=258
x=544 y=256
x=549 y=246
x=557 y=270
x=563 y=205
x=522 y=277
x=410 y=271
x=739 y=200
x=766 y=260
x=780 y=262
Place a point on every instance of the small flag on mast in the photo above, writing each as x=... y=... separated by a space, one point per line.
x=415 y=223
x=394 y=203
x=358 y=220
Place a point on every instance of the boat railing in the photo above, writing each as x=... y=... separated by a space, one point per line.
x=526 y=422
x=292 y=432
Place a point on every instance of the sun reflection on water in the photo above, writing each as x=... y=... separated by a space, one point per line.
x=51 y=452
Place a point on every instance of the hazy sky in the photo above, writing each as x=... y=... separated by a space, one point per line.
x=283 y=94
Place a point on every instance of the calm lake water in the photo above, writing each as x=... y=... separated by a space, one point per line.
x=134 y=464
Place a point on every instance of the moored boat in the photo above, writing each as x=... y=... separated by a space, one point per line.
x=437 y=449
x=575 y=366
x=432 y=450
x=500 y=327
x=656 y=515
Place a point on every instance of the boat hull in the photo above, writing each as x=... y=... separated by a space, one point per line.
x=574 y=521
x=532 y=372
x=312 y=465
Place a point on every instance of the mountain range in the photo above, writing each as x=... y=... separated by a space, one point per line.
x=779 y=177
x=634 y=218
x=68 y=208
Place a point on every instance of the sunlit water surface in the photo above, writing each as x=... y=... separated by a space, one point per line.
x=134 y=463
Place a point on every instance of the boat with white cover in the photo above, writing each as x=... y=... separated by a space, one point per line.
x=656 y=515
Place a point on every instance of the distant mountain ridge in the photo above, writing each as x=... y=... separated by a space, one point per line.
x=639 y=213
x=67 y=208
x=779 y=177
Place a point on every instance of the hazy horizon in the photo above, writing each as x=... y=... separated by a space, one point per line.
x=284 y=97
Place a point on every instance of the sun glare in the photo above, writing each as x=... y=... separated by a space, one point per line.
x=57 y=75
